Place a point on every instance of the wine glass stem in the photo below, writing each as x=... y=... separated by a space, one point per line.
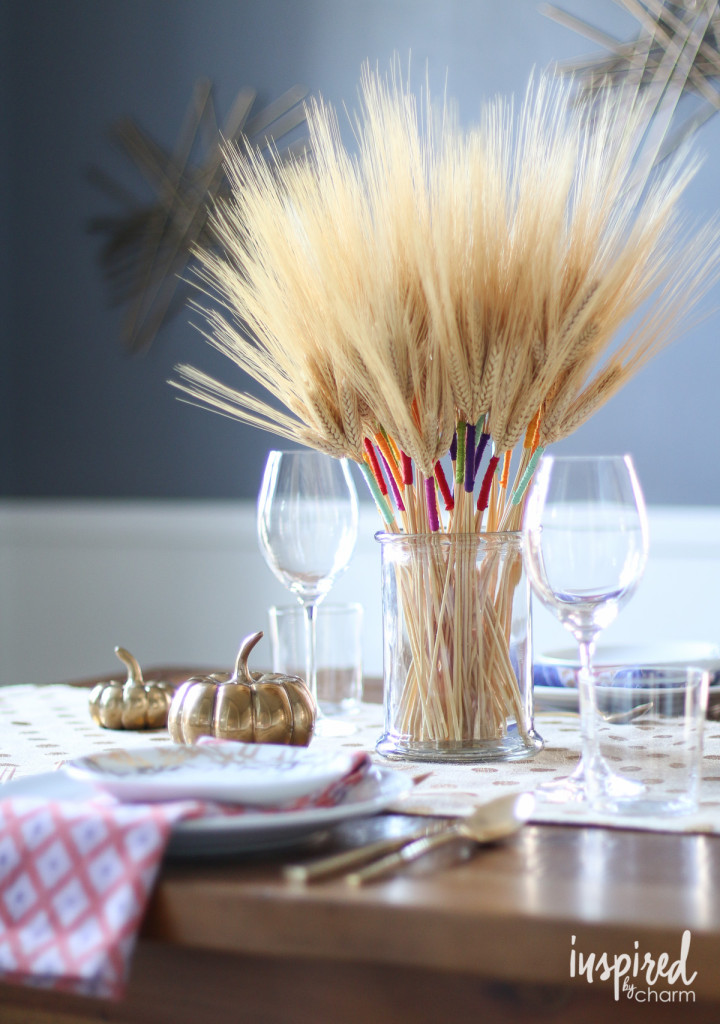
x=586 y=698
x=310 y=609
x=587 y=652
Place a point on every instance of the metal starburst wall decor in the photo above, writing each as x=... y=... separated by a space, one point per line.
x=149 y=246
x=674 y=56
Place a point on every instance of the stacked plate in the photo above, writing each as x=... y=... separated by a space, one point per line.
x=555 y=673
x=267 y=789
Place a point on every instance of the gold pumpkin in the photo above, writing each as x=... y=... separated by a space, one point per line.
x=250 y=707
x=133 y=704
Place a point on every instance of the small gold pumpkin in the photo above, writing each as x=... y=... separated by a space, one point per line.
x=133 y=704
x=250 y=707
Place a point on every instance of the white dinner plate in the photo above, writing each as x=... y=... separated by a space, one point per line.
x=256 y=830
x=264 y=775
x=214 y=836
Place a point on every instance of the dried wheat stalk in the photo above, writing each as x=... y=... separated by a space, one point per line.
x=455 y=292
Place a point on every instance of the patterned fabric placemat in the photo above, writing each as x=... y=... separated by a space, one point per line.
x=41 y=727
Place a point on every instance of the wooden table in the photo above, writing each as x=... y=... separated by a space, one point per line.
x=483 y=941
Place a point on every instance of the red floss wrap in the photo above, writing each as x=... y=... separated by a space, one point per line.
x=444 y=488
x=432 y=504
x=484 y=495
x=406 y=468
x=375 y=466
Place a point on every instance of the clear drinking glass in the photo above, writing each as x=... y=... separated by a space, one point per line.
x=648 y=723
x=586 y=543
x=338 y=652
x=307 y=528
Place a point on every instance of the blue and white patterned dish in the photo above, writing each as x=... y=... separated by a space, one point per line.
x=555 y=673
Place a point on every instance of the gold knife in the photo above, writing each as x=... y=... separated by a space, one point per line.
x=323 y=867
x=490 y=823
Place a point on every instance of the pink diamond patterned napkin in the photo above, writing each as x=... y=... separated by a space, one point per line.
x=75 y=879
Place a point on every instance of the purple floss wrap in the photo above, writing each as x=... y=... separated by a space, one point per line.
x=432 y=504
x=480 y=451
x=393 y=484
x=470 y=458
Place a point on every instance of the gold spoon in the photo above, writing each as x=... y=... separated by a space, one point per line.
x=488 y=824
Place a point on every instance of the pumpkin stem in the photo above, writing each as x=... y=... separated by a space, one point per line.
x=246 y=646
x=134 y=671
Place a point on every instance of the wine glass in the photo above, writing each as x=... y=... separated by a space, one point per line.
x=586 y=541
x=307 y=527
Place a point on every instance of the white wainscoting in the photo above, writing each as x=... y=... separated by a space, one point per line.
x=183 y=582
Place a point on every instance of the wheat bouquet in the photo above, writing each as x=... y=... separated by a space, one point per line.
x=439 y=305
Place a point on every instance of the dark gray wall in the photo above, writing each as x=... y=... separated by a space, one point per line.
x=6 y=427
x=81 y=418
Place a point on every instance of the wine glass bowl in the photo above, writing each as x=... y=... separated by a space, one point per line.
x=307 y=528
x=586 y=539
x=307 y=521
x=586 y=542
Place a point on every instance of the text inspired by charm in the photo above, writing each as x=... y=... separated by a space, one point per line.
x=638 y=975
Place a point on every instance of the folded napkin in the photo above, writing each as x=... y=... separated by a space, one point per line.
x=76 y=877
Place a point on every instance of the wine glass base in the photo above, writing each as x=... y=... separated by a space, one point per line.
x=643 y=806
x=568 y=790
x=630 y=798
x=332 y=726
x=615 y=795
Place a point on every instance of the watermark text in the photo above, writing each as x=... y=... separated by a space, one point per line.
x=637 y=975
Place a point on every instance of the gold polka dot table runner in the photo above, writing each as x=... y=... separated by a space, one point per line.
x=41 y=727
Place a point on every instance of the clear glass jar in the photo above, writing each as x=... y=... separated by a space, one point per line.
x=457 y=658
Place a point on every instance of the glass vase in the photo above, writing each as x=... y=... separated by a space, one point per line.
x=457 y=659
